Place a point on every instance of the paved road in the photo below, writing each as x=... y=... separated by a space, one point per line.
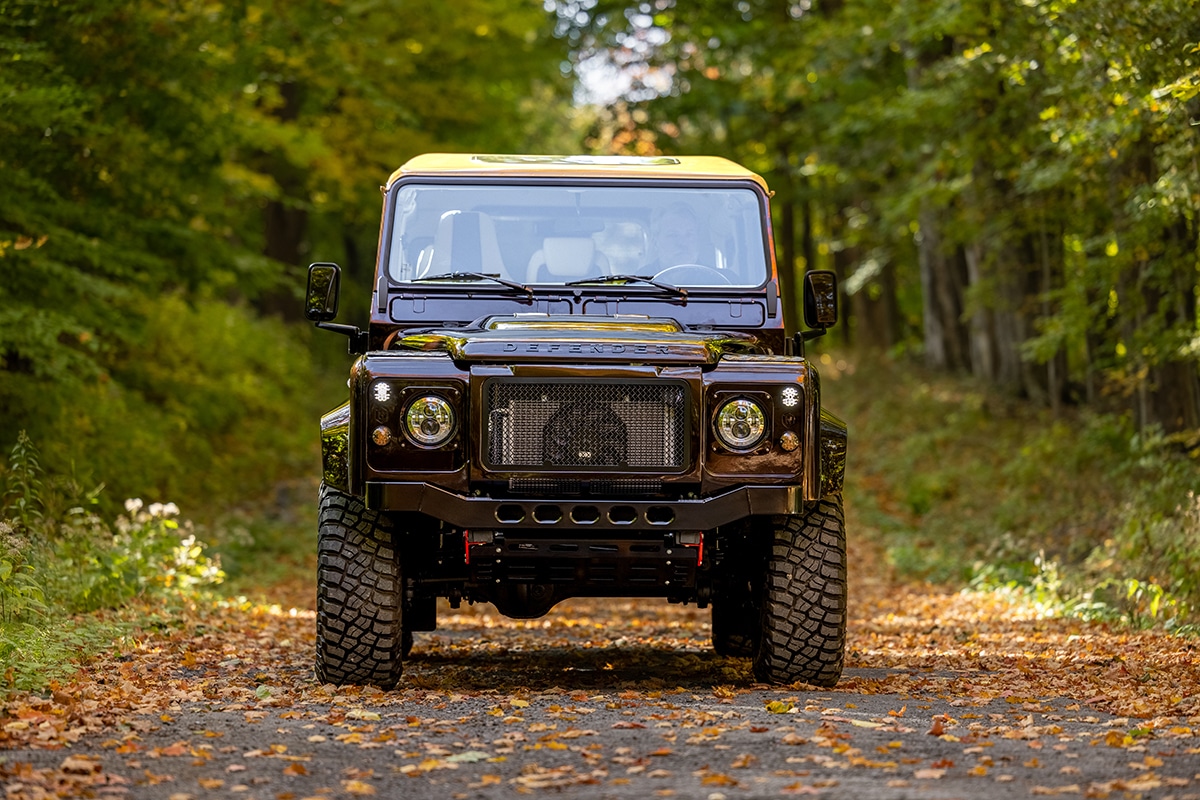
x=619 y=699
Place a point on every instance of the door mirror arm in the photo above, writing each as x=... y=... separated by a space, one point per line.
x=321 y=304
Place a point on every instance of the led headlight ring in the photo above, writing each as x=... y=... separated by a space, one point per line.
x=741 y=424
x=429 y=420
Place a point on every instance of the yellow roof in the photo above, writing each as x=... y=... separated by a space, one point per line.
x=702 y=167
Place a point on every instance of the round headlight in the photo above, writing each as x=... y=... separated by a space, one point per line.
x=741 y=424
x=429 y=420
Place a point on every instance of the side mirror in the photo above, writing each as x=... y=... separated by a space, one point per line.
x=820 y=299
x=321 y=299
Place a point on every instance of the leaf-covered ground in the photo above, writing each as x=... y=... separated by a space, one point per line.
x=624 y=697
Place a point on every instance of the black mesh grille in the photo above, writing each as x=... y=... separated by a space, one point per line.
x=581 y=424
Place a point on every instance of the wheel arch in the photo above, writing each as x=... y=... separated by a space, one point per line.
x=335 y=448
x=832 y=453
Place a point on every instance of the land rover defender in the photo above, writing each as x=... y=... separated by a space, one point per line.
x=579 y=379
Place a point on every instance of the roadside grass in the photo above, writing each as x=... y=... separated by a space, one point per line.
x=269 y=551
x=36 y=654
x=964 y=485
x=76 y=581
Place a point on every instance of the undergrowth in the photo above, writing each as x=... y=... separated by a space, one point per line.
x=962 y=484
x=60 y=560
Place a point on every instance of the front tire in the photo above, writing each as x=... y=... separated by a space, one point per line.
x=803 y=600
x=360 y=635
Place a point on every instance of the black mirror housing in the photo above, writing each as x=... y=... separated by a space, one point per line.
x=820 y=299
x=324 y=285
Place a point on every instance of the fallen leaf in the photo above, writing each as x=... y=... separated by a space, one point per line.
x=357 y=787
x=718 y=779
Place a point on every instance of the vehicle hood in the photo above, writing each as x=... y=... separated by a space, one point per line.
x=545 y=338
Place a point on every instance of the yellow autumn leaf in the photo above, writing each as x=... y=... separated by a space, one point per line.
x=1117 y=739
x=358 y=787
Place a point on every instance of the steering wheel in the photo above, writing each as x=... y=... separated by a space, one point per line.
x=692 y=274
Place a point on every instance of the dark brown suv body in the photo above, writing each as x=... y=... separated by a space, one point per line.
x=548 y=404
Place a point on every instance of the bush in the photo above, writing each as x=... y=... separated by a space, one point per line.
x=960 y=483
x=203 y=400
x=80 y=562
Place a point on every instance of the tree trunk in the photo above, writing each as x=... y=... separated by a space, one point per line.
x=285 y=223
x=983 y=361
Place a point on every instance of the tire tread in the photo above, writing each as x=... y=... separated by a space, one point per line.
x=359 y=630
x=805 y=598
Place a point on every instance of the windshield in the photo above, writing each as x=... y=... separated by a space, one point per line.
x=556 y=235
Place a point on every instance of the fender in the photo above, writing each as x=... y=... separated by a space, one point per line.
x=335 y=448
x=832 y=453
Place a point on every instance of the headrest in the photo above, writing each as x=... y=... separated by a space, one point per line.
x=569 y=256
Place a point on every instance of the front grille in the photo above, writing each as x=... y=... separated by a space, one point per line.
x=586 y=424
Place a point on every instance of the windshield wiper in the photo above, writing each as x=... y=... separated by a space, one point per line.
x=666 y=287
x=475 y=276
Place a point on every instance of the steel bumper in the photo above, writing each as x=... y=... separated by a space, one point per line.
x=584 y=514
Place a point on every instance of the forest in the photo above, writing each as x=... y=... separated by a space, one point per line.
x=1009 y=192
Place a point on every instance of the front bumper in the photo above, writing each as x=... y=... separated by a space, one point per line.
x=590 y=514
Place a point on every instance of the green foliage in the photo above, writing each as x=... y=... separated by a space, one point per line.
x=38 y=654
x=54 y=565
x=20 y=593
x=1081 y=513
x=23 y=485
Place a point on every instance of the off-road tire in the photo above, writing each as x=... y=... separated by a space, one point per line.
x=803 y=600
x=360 y=636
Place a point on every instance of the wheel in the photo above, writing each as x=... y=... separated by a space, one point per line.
x=734 y=626
x=803 y=598
x=698 y=274
x=360 y=636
